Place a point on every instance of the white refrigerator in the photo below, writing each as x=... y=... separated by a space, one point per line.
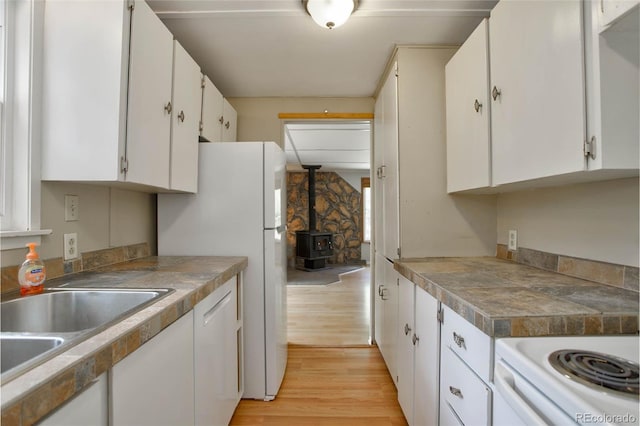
x=238 y=211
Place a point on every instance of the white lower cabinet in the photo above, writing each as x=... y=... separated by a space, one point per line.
x=466 y=366
x=417 y=359
x=387 y=315
x=90 y=407
x=155 y=384
x=217 y=354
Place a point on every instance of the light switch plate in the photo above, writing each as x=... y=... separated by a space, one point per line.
x=71 y=208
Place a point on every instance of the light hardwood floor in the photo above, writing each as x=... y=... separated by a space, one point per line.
x=331 y=315
x=333 y=376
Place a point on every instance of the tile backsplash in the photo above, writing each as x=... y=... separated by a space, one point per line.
x=601 y=272
x=58 y=267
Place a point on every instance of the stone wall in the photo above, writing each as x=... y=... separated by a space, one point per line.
x=337 y=211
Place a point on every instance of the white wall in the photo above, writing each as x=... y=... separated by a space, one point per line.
x=597 y=221
x=258 y=117
x=109 y=217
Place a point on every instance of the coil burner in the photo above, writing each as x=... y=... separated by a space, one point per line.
x=597 y=370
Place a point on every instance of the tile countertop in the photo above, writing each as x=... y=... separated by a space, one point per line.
x=503 y=298
x=30 y=396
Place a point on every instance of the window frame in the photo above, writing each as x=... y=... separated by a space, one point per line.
x=365 y=182
x=21 y=130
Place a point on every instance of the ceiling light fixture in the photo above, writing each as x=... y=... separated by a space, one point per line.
x=330 y=13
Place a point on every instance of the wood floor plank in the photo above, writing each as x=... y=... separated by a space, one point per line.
x=334 y=376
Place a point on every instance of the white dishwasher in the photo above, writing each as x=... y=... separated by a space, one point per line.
x=218 y=354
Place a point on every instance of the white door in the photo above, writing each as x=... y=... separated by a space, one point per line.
x=468 y=114
x=391 y=178
x=426 y=369
x=230 y=125
x=212 y=116
x=537 y=67
x=405 y=350
x=149 y=122
x=187 y=97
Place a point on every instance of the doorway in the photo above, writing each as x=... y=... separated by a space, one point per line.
x=333 y=310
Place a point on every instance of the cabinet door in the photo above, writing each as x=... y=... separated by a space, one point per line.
x=390 y=320
x=149 y=116
x=613 y=9
x=405 y=330
x=187 y=99
x=216 y=356
x=468 y=114
x=212 y=116
x=155 y=384
x=229 y=128
x=538 y=119
x=390 y=181
x=426 y=357
x=378 y=161
x=90 y=407
x=379 y=301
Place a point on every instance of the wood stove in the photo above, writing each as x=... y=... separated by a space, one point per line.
x=312 y=246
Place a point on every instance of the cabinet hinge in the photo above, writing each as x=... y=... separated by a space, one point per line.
x=201 y=126
x=124 y=165
x=202 y=82
x=398 y=282
x=590 y=148
x=398 y=251
x=131 y=4
x=440 y=315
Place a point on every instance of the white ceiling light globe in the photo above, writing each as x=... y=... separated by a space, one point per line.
x=330 y=13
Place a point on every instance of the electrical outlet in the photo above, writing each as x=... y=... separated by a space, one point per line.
x=71 y=208
x=70 y=246
x=512 y=244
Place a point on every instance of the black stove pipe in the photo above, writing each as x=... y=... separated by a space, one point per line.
x=312 y=196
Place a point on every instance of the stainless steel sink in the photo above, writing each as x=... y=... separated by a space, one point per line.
x=16 y=350
x=35 y=328
x=71 y=310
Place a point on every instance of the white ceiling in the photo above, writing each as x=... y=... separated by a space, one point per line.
x=334 y=145
x=272 y=48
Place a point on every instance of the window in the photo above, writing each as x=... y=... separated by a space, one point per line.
x=21 y=28
x=366 y=209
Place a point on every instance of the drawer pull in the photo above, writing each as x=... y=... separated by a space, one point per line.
x=477 y=105
x=415 y=339
x=456 y=392
x=459 y=340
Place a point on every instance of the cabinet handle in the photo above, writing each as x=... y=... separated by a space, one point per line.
x=227 y=124
x=477 y=105
x=221 y=119
x=382 y=174
x=380 y=289
x=407 y=329
x=495 y=93
x=415 y=339
x=456 y=392
x=181 y=116
x=168 y=108
x=384 y=293
x=459 y=340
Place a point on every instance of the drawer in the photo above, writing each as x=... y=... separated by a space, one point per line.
x=471 y=344
x=460 y=388
x=447 y=416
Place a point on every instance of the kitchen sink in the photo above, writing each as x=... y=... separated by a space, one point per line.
x=70 y=310
x=35 y=328
x=16 y=350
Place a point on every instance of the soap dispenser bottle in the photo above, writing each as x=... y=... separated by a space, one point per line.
x=32 y=273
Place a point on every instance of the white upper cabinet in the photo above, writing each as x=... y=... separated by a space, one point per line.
x=230 y=125
x=562 y=102
x=611 y=10
x=109 y=100
x=219 y=118
x=537 y=89
x=185 y=122
x=468 y=114
x=148 y=136
x=613 y=84
x=212 y=117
